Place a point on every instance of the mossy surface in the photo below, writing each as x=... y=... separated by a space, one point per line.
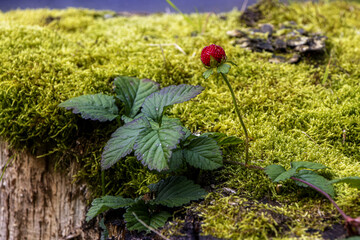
x=48 y=56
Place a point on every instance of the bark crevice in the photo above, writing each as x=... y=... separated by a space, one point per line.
x=38 y=202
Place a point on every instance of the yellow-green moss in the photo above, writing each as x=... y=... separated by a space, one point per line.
x=48 y=56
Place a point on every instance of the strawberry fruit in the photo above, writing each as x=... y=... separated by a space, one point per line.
x=213 y=55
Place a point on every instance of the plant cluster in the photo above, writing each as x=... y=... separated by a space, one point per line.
x=164 y=144
x=304 y=176
x=171 y=192
x=214 y=57
x=302 y=112
x=159 y=142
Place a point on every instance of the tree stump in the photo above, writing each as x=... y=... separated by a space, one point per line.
x=37 y=202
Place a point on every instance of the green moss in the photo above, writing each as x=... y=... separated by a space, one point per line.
x=49 y=56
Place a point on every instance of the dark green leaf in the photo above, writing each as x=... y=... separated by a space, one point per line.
x=146 y=215
x=154 y=105
x=176 y=160
x=273 y=171
x=295 y=166
x=176 y=191
x=100 y=205
x=353 y=181
x=129 y=119
x=285 y=175
x=187 y=134
x=208 y=73
x=230 y=140
x=222 y=139
x=310 y=165
x=132 y=92
x=353 y=238
x=215 y=135
x=95 y=107
x=121 y=142
x=316 y=180
x=154 y=144
x=301 y=184
x=175 y=121
x=203 y=153
x=104 y=232
x=223 y=68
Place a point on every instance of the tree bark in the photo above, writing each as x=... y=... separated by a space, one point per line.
x=37 y=202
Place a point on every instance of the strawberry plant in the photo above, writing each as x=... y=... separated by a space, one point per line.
x=303 y=173
x=159 y=142
x=214 y=58
x=171 y=192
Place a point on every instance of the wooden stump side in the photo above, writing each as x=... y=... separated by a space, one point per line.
x=37 y=202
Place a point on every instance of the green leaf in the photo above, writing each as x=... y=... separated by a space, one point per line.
x=295 y=166
x=154 y=105
x=132 y=92
x=176 y=191
x=285 y=175
x=353 y=181
x=100 y=205
x=149 y=217
x=273 y=171
x=316 y=180
x=223 y=68
x=230 y=140
x=310 y=165
x=176 y=160
x=121 y=142
x=104 y=232
x=154 y=144
x=99 y=107
x=353 y=238
x=129 y=119
x=214 y=135
x=187 y=134
x=208 y=73
x=203 y=153
x=222 y=139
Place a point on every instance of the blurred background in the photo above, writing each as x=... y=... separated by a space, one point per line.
x=136 y=6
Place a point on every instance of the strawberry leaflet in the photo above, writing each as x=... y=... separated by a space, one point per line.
x=121 y=142
x=176 y=191
x=154 y=105
x=154 y=144
x=204 y=153
x=99 y=107
x=141 y=211
x=132 y=92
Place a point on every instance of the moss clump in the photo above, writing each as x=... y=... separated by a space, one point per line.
x=290 y=113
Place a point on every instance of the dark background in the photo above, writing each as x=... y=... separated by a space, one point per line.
x=144 y=6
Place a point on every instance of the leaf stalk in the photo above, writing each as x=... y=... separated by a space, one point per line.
x=323 y=193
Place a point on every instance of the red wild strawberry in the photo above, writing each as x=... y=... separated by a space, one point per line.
x=213 y=51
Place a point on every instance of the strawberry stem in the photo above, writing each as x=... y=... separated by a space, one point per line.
x=325 y=194
x=240 y=118
x=103 y=182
